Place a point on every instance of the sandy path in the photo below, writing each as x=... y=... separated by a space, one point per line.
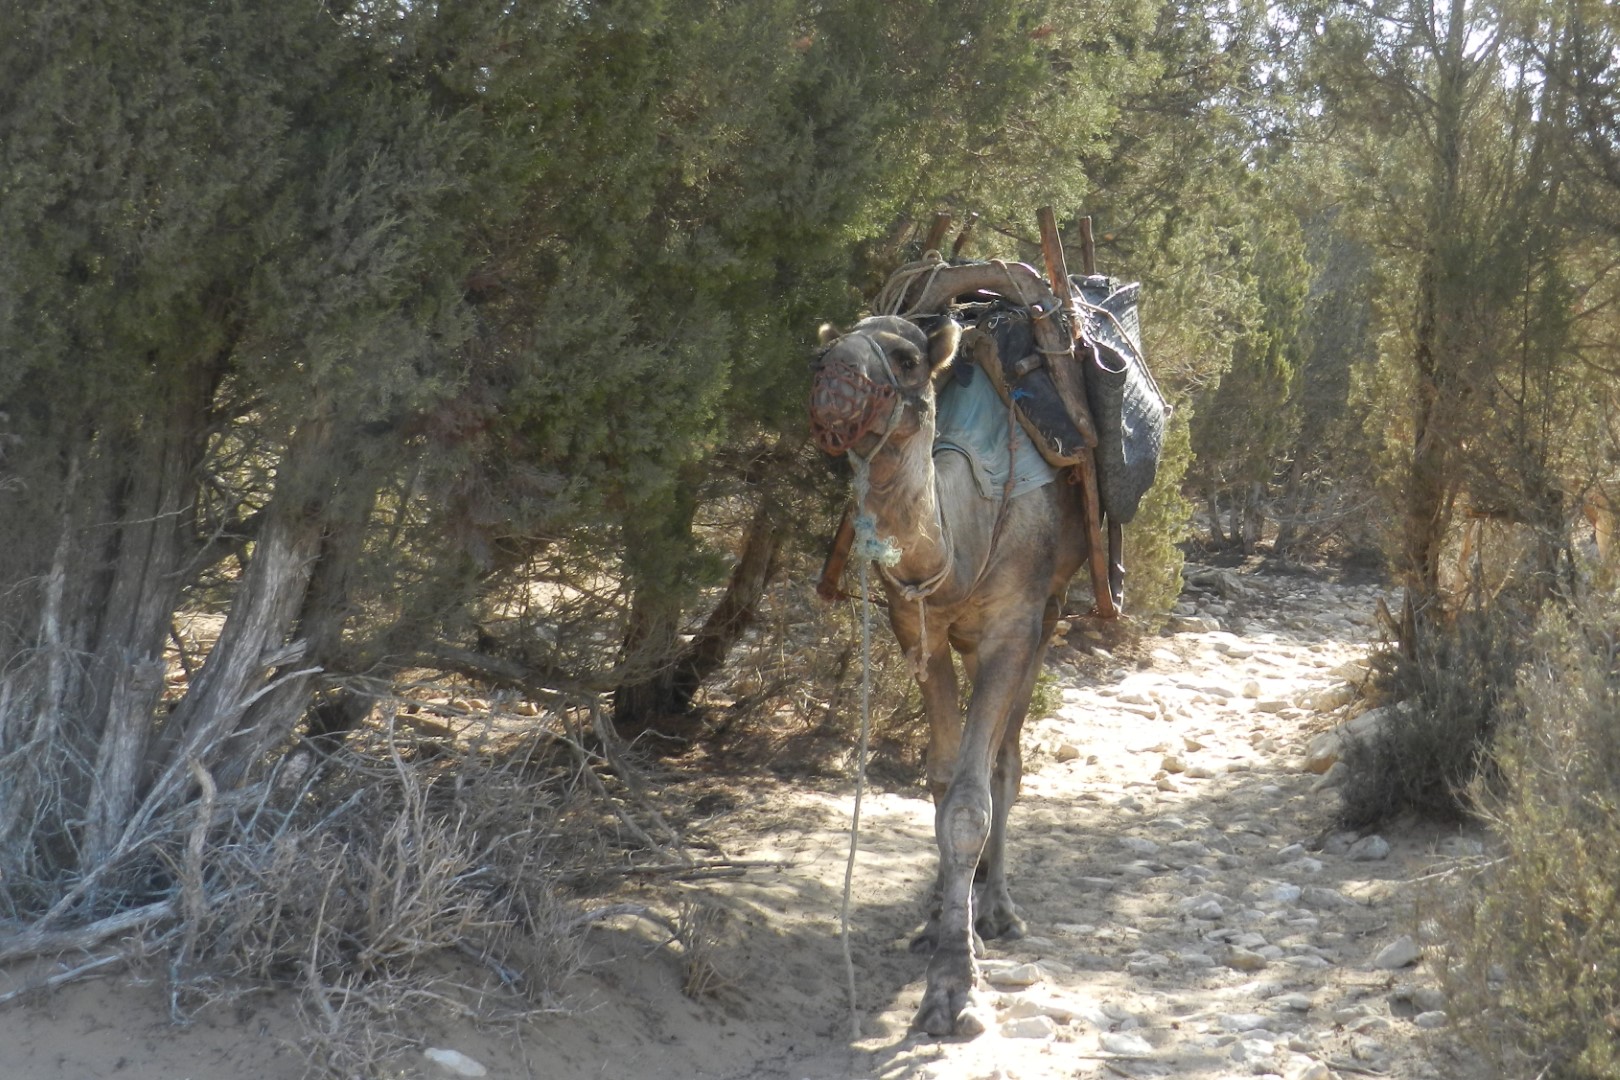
x=1191 y=912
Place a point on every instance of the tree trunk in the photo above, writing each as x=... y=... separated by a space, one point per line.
x=215 y=722
x=738 y=608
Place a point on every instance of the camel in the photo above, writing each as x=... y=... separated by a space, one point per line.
x=982 y=576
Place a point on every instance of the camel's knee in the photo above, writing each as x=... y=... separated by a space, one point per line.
x=966 y=824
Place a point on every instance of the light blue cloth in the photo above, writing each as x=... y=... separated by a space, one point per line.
x=972 y=421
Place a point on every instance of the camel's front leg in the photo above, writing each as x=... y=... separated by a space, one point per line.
x=963 y=820
x=996 y=914
x=944 y=741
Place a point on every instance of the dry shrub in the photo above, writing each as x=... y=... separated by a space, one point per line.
x=385 y=891
x=1458 y=680
x=1535 y=966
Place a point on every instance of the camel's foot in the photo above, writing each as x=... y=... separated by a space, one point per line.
x=927 y=941
x=998 y=918
x=1000 y=922
x=948 y=1006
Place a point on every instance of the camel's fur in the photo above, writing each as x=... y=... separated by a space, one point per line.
x=996 y=608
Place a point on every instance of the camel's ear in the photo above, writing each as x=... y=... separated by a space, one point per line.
x=942 y=344
x=828 y=333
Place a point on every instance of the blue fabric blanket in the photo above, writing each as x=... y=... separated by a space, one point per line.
x=972 y=421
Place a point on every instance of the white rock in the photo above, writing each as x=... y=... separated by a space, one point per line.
x=1030 y=1027
x=1331 y=698
x=1125 y=1043
x=1173 y=764
x=1435 y=1019
x=1272 y=705
x=1314 y=1070
x=454 y=1061
x=1368 y=849
x=972 y=1022
x=1320 y=898
x=1294 y=1002
x=1061 y=1012
x=1139 y=845
x=1323 y=753
x=1014 y=975
x=1336 y=775
x=1241 y=959
x=1242 y=1021
x=1203 y=906
x=1398 y=954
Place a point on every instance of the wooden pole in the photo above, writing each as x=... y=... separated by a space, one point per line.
x=963 y=236
x=937 y=231
x=832 y=570
x=1088 y=248
x=1066 y=377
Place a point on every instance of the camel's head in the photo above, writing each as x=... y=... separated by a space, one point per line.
x=876 y=382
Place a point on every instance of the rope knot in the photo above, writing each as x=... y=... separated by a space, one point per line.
x=869 y=545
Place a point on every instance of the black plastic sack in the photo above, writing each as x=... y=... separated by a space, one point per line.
x=1126 y=405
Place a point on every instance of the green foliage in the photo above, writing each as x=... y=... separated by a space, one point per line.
x=1153 y=556
x=1454 y=695
x=1535 y=970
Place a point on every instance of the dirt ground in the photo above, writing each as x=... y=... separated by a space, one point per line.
x=1192 y=912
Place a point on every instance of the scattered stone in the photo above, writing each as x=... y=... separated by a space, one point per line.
x=1147 y=963
x=1399 y=953
x=1428 y=998
x=1323 y=753
x=1241 y=959
x=972 y=1022
x=1014 y=975
x=1173 y=764
x=1321 y=898
x=1332 y=698
x=1030 y=1027
x=1164 y=783
x=1138 y=845
x=1346 y=1015
x=1272 y=705
x=1313 y=1070
x=1124 y=1043
x=1294 y=1002
x=1191 y=744
x=1336 y=775
x=1067 y=751
x=454 y=1061
x=1431 y=1020
x=1241 y=1022
x=1203 y=906
x=1192 y=624
x=1368 y=849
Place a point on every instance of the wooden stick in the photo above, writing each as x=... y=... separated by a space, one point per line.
x=1088 y=248
x=1066 y=377
x=937 y=231
x=963 y=236
x=832 y=571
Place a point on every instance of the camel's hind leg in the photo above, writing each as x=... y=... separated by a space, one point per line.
x=995 y=914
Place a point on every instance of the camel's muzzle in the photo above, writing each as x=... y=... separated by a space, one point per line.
x=845 y=405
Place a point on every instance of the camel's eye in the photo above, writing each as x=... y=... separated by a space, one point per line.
x=907 y=359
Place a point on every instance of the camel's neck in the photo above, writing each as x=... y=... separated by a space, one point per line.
x=902 y=498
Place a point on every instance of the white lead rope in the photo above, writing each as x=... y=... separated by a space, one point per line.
x=860 y=790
